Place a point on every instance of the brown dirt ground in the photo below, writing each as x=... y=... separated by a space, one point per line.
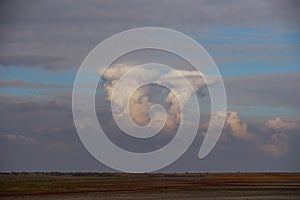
x=150 y=186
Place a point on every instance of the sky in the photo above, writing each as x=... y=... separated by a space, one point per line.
x=255 y=44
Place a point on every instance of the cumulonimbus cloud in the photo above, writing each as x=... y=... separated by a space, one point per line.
x=140 y=103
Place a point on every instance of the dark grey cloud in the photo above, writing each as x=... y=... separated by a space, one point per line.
x=59 y=34
x=35 y=118
x=278 y=89
x=38 y=134
x=164 y=12
x=18 y=83
x=34 y=61
x=262 y=48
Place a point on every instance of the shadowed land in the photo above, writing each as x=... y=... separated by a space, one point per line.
x=149 y=186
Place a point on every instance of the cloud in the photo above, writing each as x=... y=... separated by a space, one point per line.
x=279 y=125
x=51 y=123
x=238 y=129
x=19 y=139
x=13 y=83
x=38 y=60
x=41 y=118
x=32 y=36
x=164 y=12
x=278 y=90
x=277 y=145
x=140 y=102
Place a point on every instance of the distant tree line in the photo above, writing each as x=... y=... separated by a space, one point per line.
x=104 y=174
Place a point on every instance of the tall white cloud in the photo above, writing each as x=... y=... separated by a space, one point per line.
x=140 y=103
x=239 y=129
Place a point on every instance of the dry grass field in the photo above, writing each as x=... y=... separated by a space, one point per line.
x=149 y=186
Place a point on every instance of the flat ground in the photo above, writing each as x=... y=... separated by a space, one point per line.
x=89 y=186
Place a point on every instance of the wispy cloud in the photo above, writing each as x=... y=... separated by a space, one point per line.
x=18 y=83
x=19 y=139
